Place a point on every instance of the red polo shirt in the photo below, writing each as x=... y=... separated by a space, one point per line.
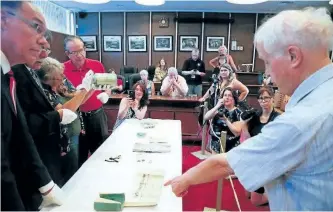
x=75 y=76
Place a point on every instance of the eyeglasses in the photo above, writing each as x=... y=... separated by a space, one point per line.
x=47 y=50
x=264 y=98
x=77 y=53
x=35 y=26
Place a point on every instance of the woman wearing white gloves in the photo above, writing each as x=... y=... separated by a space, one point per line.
x=51 y=76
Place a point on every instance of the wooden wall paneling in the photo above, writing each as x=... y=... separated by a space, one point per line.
x=112 y=23
x=88 y=25
x=57 y=46
x=187 y=29
x=214 y=30
x=112 y=117
x=137 y=23
x=242 y=30
x=259 y=64
x=156 y=30
x=162 y=115
x=189 y=122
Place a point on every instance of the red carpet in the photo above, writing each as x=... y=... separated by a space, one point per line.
x=204 y=195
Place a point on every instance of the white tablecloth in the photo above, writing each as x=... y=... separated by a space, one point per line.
x=97 y=176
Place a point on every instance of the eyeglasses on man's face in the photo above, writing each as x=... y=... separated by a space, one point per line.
x=77 y=53
x=32 y=24
x=264 y=98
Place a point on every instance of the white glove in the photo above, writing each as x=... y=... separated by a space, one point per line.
x=68 y=116
x=103 y=97
x=87 y=81
x=56 y=196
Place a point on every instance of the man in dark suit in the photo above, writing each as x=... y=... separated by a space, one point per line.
x=22 y=35
x=44 y=124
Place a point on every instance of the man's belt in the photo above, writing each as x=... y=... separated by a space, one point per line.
x=91 y=113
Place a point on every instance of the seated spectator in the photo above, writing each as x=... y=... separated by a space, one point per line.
x=150 y=88
x=160 y=71
x=133 y=108
x=225 y=116
x=119 y=88
x=252 y=126
x=174 y=84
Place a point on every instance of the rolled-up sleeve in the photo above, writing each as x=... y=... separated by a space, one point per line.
x=184 y=86
x=279 y=148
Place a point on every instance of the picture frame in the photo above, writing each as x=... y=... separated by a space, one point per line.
x=112 y=43
x=188 y=43
x=90 y=42
x=163 y=43
x=137 y=43
x=213 y=43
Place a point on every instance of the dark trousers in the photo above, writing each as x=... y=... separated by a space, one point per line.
x=96 y=132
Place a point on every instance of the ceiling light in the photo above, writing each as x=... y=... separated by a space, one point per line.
x=150 y=2
x=93 y=1
x=331 y=2
x=246 y=1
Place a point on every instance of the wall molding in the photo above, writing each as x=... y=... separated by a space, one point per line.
x=124 y=40
x=100 y=46
x=254 y=48
x=176 y=42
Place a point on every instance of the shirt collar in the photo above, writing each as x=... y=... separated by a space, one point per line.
x=311 y=83
x=29 y=69
x=4 y=63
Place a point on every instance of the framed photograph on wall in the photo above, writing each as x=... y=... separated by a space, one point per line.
x=137 y=43
x=213 y=43
x=89 y=42
x=187 y=43
x=163 y=43
x=112 y=43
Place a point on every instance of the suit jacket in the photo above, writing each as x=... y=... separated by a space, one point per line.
x=43 y=120
x=19 y=157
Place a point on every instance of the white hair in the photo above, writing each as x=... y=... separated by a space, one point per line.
x=172 y=70
x=307 y=28
x=145 y=72
x=50 y=66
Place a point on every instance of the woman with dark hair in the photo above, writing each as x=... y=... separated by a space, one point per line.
x=225 y=116
x=252 y=126
x=135 y=108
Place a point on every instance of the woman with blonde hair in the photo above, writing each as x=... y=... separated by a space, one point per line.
x=223 y=58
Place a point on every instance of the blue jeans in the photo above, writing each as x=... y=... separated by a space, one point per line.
x=195 y=89
x=75 y=145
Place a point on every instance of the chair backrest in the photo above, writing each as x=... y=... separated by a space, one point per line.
x=134 y=78
x=151 y=72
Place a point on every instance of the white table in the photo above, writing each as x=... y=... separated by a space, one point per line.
x=97 y=176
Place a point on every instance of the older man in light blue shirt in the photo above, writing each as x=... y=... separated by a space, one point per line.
x=292 y=157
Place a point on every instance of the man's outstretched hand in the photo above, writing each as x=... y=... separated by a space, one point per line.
x=179 y=186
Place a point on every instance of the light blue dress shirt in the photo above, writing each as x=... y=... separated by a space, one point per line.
x=293 y=156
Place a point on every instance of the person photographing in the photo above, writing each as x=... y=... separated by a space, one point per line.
x=134 y=106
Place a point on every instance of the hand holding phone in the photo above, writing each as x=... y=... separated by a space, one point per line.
x=131 y=94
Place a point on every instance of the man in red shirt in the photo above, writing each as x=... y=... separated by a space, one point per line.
x=94 y=117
